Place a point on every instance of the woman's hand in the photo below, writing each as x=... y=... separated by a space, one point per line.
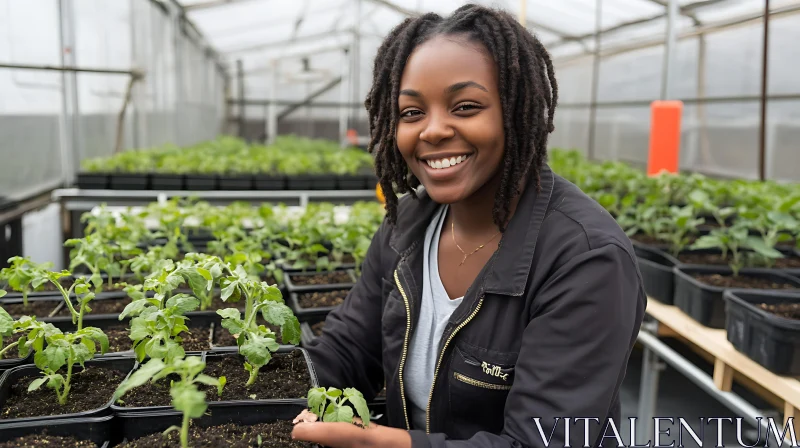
x=348 y=435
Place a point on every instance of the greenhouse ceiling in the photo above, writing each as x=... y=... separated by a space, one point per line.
x=275 y=29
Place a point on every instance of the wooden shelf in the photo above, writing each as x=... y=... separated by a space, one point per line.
x=728 y=362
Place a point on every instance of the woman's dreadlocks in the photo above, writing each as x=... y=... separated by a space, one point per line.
x=528 y=92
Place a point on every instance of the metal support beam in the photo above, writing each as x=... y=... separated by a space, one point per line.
x=343 y=95
x=743 y=20
x=69 y=69
x=240 y=73
x=595 y=78
x=285 y=42
x=272 y=108
x=686 y=9
x=669 y=48
x=762 y=143
x=307 y=100
x=213 y=4
x=734 y=402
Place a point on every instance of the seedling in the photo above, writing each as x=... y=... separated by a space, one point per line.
x=186 y=397
x=330 y=405
x=97 y=256
x=25 y=276
x=702 y=201
x=678 y=227
x=158 y=321
x=256 y=342
x=54 y=349
x=735 y=240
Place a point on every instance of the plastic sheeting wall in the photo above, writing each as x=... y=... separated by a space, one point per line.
x=180 y=99
x=719 y=138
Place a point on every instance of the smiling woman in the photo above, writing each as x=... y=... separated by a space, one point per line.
x=476 y=338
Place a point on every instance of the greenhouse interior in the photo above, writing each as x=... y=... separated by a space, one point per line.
x=189 y=184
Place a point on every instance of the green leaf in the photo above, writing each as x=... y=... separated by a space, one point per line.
x=316 y=400
x=37 y=383
x=357 y=399
x=758 y=245
x=139 y=329
x=187 y=399
x=183 y=303
x=207 y=380
x=255 y=349
x=134 y=308
x=336 y=413
x=53 y=358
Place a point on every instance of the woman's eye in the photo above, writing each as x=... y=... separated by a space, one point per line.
x=467 y=107
x=410 y=113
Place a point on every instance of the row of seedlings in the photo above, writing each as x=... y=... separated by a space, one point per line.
x=229 y=163
x=176 y=338
x=727 y=253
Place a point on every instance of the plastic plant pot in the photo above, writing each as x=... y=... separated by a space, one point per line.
x=306 y=314
x=236 y=182
x=96 y=429
x=657 y=275
x=350 y=182
x=130 y=181
x=167 y=182
x=201 y=182
x=704 y=303
x=300 y=182
x=307 y=336
x=134 y=426
x=9 y=377
x=770 y=340
x=92 y=181
x=267 y=182
x=292 y=287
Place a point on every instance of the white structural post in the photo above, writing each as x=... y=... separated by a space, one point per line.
x=272 y=119
x=344 y=94
x=669 y=49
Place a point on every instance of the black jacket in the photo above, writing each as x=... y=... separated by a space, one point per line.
x=545 y=330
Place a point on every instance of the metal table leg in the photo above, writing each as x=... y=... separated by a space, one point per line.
x=648 y=390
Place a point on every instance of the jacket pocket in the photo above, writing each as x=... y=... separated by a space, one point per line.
x=479 y=379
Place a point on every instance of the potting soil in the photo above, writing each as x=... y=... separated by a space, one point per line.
x=273 y=435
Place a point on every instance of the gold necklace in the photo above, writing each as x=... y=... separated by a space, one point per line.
x=453 y=232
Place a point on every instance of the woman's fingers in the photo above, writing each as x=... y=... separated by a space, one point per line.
x=305 y=416
x=333 y=435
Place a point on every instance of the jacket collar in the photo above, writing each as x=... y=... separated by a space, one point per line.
x=509 y=272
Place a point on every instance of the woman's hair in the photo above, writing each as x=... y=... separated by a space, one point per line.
x=528 y=93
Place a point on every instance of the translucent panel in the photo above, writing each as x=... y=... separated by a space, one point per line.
x=784 y=55
x=102 y=33
x=783 y=133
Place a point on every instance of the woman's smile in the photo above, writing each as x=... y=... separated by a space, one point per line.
x=443 y=167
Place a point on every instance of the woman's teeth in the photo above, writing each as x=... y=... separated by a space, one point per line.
x=446 y=163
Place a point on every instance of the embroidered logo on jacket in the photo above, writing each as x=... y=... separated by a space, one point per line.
x=494 y=371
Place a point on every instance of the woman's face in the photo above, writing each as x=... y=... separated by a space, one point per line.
x=450 y=130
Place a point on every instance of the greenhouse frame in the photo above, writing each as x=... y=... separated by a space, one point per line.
x=200 y=151
x=187 y=71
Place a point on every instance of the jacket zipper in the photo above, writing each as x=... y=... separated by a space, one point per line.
x=476 y=383
x=405 y=347
x=439 y=364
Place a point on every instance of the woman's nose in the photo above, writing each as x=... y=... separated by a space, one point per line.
x=438 y=129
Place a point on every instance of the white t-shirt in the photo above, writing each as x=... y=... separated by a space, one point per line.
x=435 y=310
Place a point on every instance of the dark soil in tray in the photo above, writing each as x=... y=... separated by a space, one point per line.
x=788 y=310
x=646 y=239
x=41 y=440
x=322 y=299
x=286 y=376
x=790 y=262
x=325 y=278
x=273 y=435
x=12 y=353
x=119 y=341
x=91 y=388
x=108 y=306
x=224 y=338
x=742 y=281
x=317 y=328
x=35 y=308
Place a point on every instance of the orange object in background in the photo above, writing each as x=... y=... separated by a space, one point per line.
x=352 y=136
x=379 y=194
x=665 y=137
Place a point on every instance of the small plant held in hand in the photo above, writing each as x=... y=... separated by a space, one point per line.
x=331 y=404
x=186 y=397
x=54 y=349
x=256 y=342
x=25 y=276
